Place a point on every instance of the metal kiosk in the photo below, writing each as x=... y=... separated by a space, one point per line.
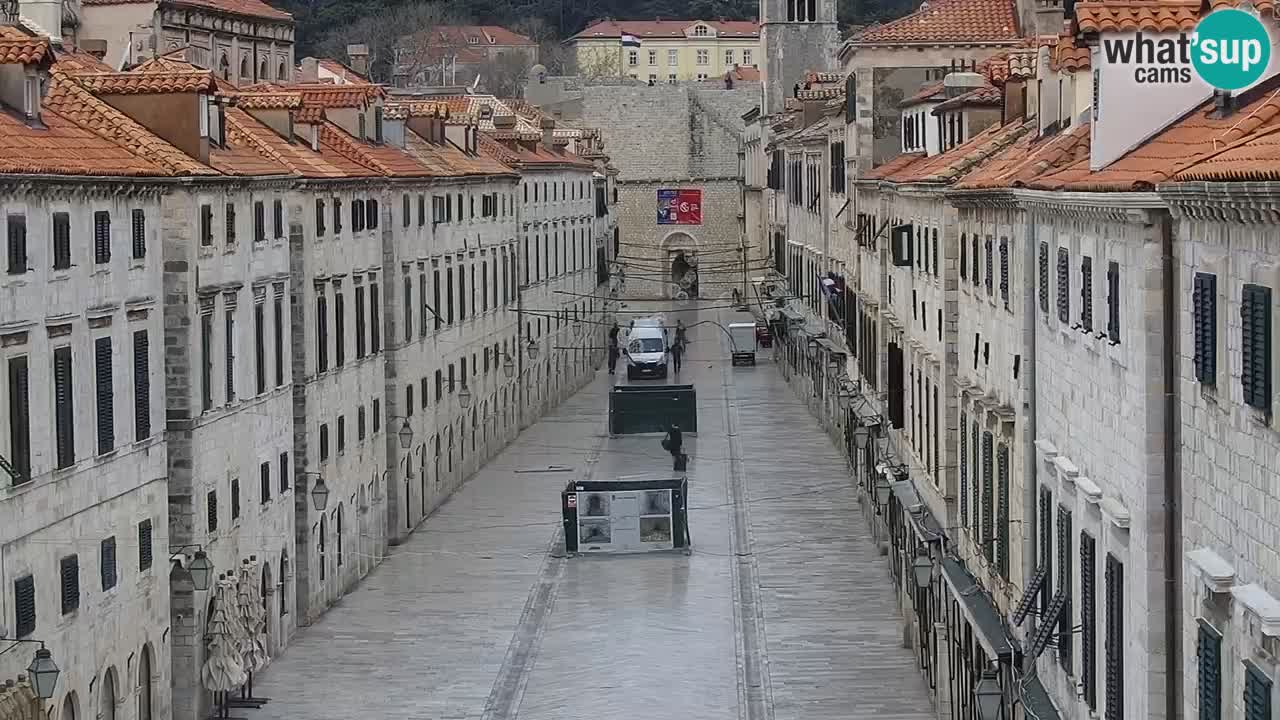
x=626 y=515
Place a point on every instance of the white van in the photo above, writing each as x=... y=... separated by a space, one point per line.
x=646 y=350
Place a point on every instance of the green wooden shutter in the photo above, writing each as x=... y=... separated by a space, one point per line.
x=1086 y=293
x=69 y=578
x=1044 y=277
x=1204 y=314
x=105 y=400
x=1255 y=330
x=141 y=385
x=1257 y=694
x=988 y=497
x=1115 y=639
x=1209 y=670
x=1065 y=638
x=1002 y=510
x=1064 y=286
x=1088 y=620
x=24 y=595
x=1046 y=547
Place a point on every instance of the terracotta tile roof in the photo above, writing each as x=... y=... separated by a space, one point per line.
x=824 y=77
x=932 y=92
x=959 y=161
x=1023 y=63
x=1029 y=158
x=950 y=21
x=67 y=97
x=896 y=165
x=64 y=148
x=1130 y=15
x=384 y=159
x=297 y=156
x=244 y=155
x=75 y=61
x=517 y=155
x=1065 y=56
x=247 y=8
x=148 y=83
x=19 y=48
x=309 y=115
x=116 y=2
x=334 y=96
x=449 y=39
x=666 y=28
x=1197 y=137
x=820 y=94
x=1256 y=159
x=269 y=100
x=745 y=74
x=985 y=96
x=416 y=108
x=448 y=161
x=174 y=61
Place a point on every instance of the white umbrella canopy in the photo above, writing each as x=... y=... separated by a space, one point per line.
x=222 y=669
x=253 y=645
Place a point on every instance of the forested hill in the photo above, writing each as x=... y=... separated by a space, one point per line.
x=546 y=20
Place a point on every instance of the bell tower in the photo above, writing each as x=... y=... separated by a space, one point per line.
x=796 y=36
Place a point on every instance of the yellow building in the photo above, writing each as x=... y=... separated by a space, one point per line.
x=666 y=50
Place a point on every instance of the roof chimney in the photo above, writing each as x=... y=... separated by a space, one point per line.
x=310 y=70
x=548 y=131
x=358 y=58
x=959 y=83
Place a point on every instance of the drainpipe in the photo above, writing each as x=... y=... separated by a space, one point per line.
x=1172 y=472
x=1030 y=520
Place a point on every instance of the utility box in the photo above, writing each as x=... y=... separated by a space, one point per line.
x=626 y=515
x=652 y=408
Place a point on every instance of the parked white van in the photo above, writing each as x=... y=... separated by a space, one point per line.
x=646 y=349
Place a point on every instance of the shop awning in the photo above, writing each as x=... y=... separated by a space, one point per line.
x=831 y=347
x=1036 y=702
x=983 y=616
x=925 y=527
x=792 y=315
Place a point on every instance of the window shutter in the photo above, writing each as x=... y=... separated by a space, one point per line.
x=324 y=442
x=1044 y=277
x=1088 y=620
x=231 y=223
x=360 y=421
x=1086 y=293
x=1065 y=625
x=319 y=218
x=69 y=578
x=339 y=327
x=278 y=312
x=422 y=210
x=206 y=225
x=375 y=311
x=976 y=509
x=264 y=482
x=1046 y=547
x=17 y=247
x=976 y=254
x=935 y=251
x=107 y=560
x=101 y=237
x=964 y=257
x=991 y=262
x=260 y=347
x=360 y=323
x=211 y=510
x=1204 y=311
x=1115 y=639
x=376 y=411
x=964 y=467
x=20 y=418
x=277 y=213
x=1255 y=330
x=988 y=498
x=144 y=545
x=1209 y=670
x=141 y=385
x=259 y=221
x=1004 y=270
x=406 y=210
x=229 y=327
x=1113 y=302
x=337 y=216
x=139 y=234
x=322 y=334
x=1257 y=694
x=1064 y=287
x=24 y=604
x=1002 y=510
x=61 y=241
x=235 y=498
x=371 y=212
x=105 y=396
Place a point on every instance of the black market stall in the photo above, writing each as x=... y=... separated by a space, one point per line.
x=626 y=515
x=652 y=408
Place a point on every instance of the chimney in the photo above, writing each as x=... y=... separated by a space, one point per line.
x=548 y=131
x=1224 y=103
x=310 y=70
x=959 y=83
x=358 y=58
x=96 y=48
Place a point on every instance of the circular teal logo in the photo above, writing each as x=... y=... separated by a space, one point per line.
x=1231 y=49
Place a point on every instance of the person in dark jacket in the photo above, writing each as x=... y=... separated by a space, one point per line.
x=674 y=443
x=677 y=354
x=613 y=355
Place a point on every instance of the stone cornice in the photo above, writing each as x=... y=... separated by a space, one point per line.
x=62 y=187
x=1252 y=203
x=997 y=198
x=1126 y=207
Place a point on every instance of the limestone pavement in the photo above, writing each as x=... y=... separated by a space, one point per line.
x=783 y=610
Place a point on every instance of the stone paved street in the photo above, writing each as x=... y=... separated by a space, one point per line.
x=477 y=616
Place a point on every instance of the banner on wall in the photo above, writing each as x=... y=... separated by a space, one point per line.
x=679 y=207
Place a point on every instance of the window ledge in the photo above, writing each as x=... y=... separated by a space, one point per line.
x=137 y=263
x=1216 y=573
x=100 y=270
x=1262 y=604
x=1092 y=493
x=60 y=275
x=1116 y=512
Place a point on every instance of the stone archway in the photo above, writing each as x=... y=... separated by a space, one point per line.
x=681 y=257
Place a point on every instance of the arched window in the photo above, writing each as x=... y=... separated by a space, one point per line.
x=282 y=72
x=107 y=704
x=284 y=579
x=324 y=531
x=262 y=71
x=244 y=69
x=224 y=67
x=69 y=707
x=144 y=684
x=338 y=531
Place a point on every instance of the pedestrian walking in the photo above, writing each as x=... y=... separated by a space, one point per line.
x=677 y=354
x=613 y=356
x=674 y=444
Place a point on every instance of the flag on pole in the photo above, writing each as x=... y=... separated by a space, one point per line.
x=629 y=40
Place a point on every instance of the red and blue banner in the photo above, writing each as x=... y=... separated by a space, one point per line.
x=679 y=207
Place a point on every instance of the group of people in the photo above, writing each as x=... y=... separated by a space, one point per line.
x=676 y=349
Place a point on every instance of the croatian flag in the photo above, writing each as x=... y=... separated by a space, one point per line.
x=629 y=40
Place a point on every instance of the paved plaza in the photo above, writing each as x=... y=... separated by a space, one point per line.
x=783 y=610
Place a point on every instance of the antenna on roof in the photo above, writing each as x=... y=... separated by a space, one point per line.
x=475 y=83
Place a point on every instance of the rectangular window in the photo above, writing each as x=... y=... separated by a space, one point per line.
x=746 y=58
x=1257 y=693
x=1004 y=270
x=337 y=217
x=324 y=442
x=101 y=237
x=211 y=511
x=1043 y=274
x=360 y=322
x=1088 y=620
x=361 y=427
x=69 y=576
x=1209 y=670
x=1115 y=639
x=259 y=347
x=1204 y=315
x=375 y=322
x=422 y=210
x=1086 y=294
x=17 y=247
x=377 y=416
x=371 y=214
x=424 y=393
x=1064 y=287
x=1046 y=547
x=988 y=496
x=206 y=225
x=104 y=395
x=990 y=279
x=259 y=221
x=277 y=214
x=206 y=361
x=24 y=603
x=235 y=498
x=1065 y=625
x=141 y=385
x=408 y=400
x=230 y=223
x=284 y=472
x=439 y=386
x=144 y=545
x=1002 y=510
x=20 y=418
x=704 y=57
x=408 y=308
x=139 y=234
x=448 y=286
x=484 y=285
x=964 y=470
x=673 y=57
x=1255 y=337
x=342 y=433
x=322 y=332
x=278 y=311
x=1113 y=302
x=107 y=563
x=406 y=211
x=264 y=482
x=61 y=241
x=230 y=327
x=462 y=292
x=422 y=300
x=319 y=218
x=339 y=328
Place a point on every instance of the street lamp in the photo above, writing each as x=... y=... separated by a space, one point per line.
x=406 y=435
x=508 y=365
x=42 y=670
x=199 y=570
x=989 y=696
x=464 y=397
x=861 y=437
x=882 y=490
x=532 y=348
x=320 y=491
x=922 y=568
